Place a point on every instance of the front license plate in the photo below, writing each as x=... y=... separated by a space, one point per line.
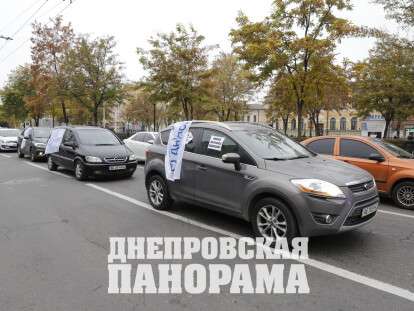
x=369 y=210
x=117 y=167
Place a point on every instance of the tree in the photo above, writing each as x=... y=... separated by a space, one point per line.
x=94 y=74
x=13 y=95
x=280 y=101
x=49 y=48
x=287 y=41
x=177 y=66
x=400 y=10
x=328 y=90
x=384 y=82
x=38 y=101
x=230 y=88
x=142 y=107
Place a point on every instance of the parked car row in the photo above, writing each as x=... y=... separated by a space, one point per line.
x=325 y=185
x=391 y=166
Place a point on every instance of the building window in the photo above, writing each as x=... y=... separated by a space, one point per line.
x=354 y=122
x=293 y=125
x=343 y=124
x=303 y=124
x=254 y=119
x=332 y=124
x=248 y=119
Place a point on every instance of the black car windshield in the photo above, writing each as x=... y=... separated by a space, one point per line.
x=395 y=150
x=97 y=137
x=9 y=132
x=272 y=145
x=41 y=132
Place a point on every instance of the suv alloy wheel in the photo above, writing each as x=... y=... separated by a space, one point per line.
x=272 y=219
x=403 y=194
x=50 y=164
x=158 y=194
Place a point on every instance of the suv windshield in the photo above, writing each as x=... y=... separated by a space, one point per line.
x=41 y=133
x=9 y=133
x=395 y=150
x=97 y=137
x=271 y=145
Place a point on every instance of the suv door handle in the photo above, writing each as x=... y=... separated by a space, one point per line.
x=202 y=168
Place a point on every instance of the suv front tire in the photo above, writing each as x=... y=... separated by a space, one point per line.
x=158 y=194
x=271 y=219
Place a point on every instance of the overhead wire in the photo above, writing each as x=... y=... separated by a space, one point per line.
x=26 y=41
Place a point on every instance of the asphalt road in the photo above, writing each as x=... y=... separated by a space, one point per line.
x=54 y=241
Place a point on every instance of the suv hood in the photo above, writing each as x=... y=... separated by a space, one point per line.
x=8 y=138
x=320 y=167
x=105 y=151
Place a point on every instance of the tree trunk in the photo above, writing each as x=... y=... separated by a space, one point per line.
x=95 y=116
x=285 y=124
x=299 y=113
x=65 y=115
x=387 y=127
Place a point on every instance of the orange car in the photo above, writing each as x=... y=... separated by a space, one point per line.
x=391 y=166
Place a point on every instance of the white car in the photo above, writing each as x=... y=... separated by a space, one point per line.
x=139 y=142
x=8 y=139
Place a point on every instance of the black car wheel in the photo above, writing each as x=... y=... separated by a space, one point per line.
x=272 y=219
x=32 y=156
x=20 y=154
x=80 y=173
x=403 y=195
x=50 y=164
x=158 y=194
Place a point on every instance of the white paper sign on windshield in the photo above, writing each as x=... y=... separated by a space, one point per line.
x=54 y=141
x=216 y=143
x=175 y=150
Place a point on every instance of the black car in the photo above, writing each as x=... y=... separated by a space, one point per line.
x=93 y=151
x=32 y=141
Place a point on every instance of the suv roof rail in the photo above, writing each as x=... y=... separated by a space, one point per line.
x=213 y=122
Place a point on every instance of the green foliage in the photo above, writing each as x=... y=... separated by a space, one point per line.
x=384 y=82
x=230 y=88
x=400 y=10
x=177 y=69
x=94 y=74
x=290 y=41
x=13 y=109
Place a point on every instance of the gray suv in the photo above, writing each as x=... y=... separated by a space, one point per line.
x=253 y=172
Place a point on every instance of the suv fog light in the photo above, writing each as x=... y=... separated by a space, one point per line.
x=325 y=219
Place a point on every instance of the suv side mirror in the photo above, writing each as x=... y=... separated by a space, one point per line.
x=232 y=158
x=376 y=157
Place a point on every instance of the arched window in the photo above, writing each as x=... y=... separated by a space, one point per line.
x=343 y=124
x=332 y=124
x=293 y=124
x=303 y=124
x=354 y=122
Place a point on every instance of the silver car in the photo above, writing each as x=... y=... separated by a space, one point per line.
x=260 y=175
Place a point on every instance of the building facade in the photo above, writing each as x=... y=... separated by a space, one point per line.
x=345 y=122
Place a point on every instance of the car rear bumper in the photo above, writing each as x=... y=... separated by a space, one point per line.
x=107 y=169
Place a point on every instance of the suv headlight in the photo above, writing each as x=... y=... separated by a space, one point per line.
x=40 y=145
x=133 y=157
x=318 y=188
x=92 y=159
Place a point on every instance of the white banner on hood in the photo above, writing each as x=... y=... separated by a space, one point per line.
x=54 y=141
x=175 y=150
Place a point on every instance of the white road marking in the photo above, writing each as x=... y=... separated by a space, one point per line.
x=395 y=214
x=141 y=167
x=349 y=275
x=47 y=170
x=5 y=156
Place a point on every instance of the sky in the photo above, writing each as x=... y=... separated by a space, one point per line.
x=133 y=22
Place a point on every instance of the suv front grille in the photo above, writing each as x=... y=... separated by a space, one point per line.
x=362 y=186
x=355 y=217
x=115 y=159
